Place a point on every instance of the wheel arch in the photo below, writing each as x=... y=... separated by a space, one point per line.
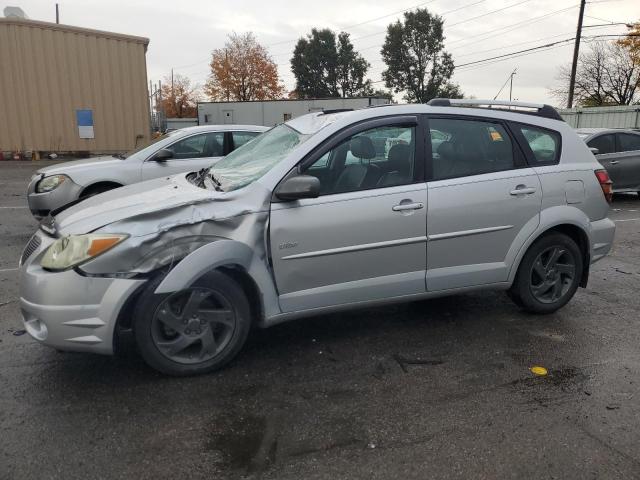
x=575 y=226
x=102 y=183
x=235 y=259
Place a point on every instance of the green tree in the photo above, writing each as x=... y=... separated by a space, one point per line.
x=416 y=61
x=328 y=66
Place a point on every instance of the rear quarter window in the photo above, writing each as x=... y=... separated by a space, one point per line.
x=544 y=145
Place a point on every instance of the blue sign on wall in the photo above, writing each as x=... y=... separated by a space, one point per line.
x=84 y=118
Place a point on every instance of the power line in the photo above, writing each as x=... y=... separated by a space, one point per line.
x=510 y=77
x=489 y=13
x=506 y=28
x=362 y=23
x=468 y=5
x=520 y=53
x=441 y=15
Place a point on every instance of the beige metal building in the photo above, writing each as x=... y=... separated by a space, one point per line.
x=71 y=89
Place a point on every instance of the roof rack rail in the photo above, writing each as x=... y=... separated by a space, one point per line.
x=538 y=109
x=336 y=110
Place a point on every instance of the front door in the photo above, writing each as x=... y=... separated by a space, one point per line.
x=189 y=154
x=364 y=237
x=484 y=202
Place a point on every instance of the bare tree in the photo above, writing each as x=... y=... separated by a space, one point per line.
x=608 y=74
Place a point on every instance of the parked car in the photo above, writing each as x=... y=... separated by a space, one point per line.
x=182 y=150
x=310 y=218
x=617 y=150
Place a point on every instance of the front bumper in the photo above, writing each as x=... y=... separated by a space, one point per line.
x=69 y=311
x=41 y=204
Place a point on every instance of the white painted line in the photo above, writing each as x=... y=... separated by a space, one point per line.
x=9 y=270
x=628 y=220
x=14 y=207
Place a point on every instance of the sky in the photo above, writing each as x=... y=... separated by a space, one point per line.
x=183 y=34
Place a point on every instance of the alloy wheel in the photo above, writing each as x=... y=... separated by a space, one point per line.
x=552 y=274
x=193 y=326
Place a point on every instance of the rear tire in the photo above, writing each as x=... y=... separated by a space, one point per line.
x=549 y=274
x=194 y=331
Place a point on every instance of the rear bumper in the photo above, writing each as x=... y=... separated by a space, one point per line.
x=602 y=234
x=68 y=311
x=41 y=204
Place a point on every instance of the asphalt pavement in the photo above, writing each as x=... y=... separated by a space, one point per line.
x=435 y=389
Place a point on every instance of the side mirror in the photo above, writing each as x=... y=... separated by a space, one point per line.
x=594 y=150
x=163 y=155
x=301 y=186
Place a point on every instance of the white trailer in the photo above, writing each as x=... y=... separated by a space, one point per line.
x=273 y=112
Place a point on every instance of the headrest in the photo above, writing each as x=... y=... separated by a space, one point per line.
x=446 y=149
x=399 y=158
x=362 y=147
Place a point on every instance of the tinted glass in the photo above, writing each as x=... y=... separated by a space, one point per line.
x=376 y=158
x=604 y=144
x=240 y=138
x=469 y=147
x=628 y=142
x=544 y=144
x=199 y=146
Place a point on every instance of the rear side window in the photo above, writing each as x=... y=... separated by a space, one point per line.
x=604 y=143
x=628 y=142
x=240 y=138
x=460 y=147
x=544 y=144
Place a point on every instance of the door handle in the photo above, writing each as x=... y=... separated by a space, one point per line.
x=614 y=162
x=522 y=190
x=407 y=206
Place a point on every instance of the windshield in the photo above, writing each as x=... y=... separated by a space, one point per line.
x=147 y=145
x=255 y=158
x=583 y=135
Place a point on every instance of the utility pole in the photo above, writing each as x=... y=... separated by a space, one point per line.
x=57 y=14
x=511 y=83
x=576 y=50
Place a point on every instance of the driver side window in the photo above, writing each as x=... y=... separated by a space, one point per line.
x=199 y=146
x=376 y=158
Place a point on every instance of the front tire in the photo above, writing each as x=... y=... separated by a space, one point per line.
x=549 y=274
x=192 y=331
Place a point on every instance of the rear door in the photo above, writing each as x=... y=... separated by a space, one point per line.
x=627 y=160
x=190 y=153
x=484 y=202
x=609 y=158
x=364 y=237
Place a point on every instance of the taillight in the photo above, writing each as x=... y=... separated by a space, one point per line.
x=605 y=183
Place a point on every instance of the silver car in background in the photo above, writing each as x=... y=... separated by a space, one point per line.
x=618 y=151
x=328 y=211
x=182 y=150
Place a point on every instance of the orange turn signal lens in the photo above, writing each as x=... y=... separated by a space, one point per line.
x=99 y=245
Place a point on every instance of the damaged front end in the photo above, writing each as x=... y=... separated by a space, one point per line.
x=179 y=230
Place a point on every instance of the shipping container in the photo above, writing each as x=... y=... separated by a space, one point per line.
x=71 y=89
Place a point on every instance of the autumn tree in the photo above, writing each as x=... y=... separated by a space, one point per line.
x=607 y=74
x=243 y=71
x=416 y=61
x=326 y=65
x=179 y=97
x=632 y=40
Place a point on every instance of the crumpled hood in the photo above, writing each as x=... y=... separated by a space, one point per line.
x=69 y=167
x=129 y=201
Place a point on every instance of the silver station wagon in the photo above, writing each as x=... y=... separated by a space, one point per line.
x=328 y=211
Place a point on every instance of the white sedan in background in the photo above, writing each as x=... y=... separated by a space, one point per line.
x=183 y=150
